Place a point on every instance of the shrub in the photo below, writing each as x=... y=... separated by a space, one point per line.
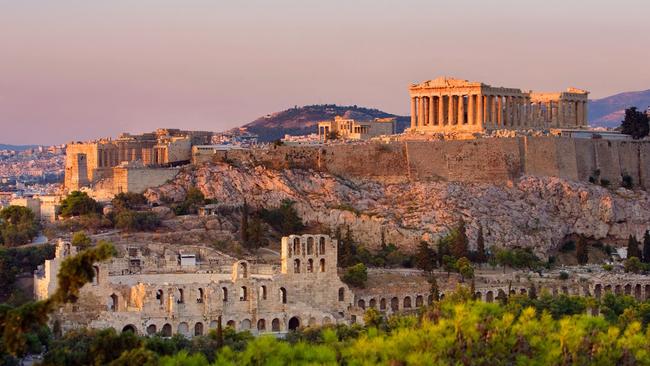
x=18 y=225
x=128 y=201
x=356 y=275
x=79 y=203
x=80 y=240
x=608 y=267
x=137 y=221
x=564 y=276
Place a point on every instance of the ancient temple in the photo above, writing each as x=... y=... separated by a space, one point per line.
x=448 y=105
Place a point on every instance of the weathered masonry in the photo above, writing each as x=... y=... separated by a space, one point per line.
x=152 y=290
x=447 y=105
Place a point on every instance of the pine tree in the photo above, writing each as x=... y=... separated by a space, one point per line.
x=646 y=247
x=582 y=254
x=481 y=257
x=633 y=248
x=635 y=123
x=434 y=291
x=244 y=223
x=425 y=257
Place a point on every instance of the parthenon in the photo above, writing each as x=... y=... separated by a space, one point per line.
x=448 y=104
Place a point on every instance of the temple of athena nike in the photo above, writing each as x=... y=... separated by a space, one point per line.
x=455 y=105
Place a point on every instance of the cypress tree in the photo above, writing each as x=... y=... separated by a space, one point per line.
x=582 y=254
x=244 y=223
x=633 y=248
x=646 y=247
x=459 y=246
x=481 y=257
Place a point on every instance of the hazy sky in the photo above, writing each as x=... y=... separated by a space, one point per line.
x=81 y=69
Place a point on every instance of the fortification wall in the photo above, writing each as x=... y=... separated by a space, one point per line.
x=137 y=180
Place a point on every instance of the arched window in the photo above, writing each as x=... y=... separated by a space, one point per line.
x=283 y=295
x=184 y=329
x=296 y=266
x=113 y=303
x=199 y=298
x=181 y=298
x=198 y=329
x=263 y=292
x=224 y=293
x=167 y=330
x=245 y=324
x=419 y=301
x=341 y=294
x=373 y=303
x=160 y=297
x=294 y=323
x=382 y=304
x=231 y=324
x=321 y=246
x=151 y=329
x=129 y=328
x=275 y=325
x=394 y=304
x=243 y=294
x=261 y=325
x=361 y=304
x=310 y=265
x=96 y=276
x=407 y=302
x=296 y=246
x=310 y=245
x=322 y=265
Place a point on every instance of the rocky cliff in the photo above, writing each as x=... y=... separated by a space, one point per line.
x=530 y=212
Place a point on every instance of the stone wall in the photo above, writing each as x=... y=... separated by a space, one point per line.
x=479 y=160
x=137 y=180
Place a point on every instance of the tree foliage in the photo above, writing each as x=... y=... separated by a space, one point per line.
x=18 y=225
x=128 y=201
x=80 y=240
x=582 y=254
x=77 y=204
x=284 y=219
x=635 y=123
x=633 y=247
x=129 y=220
x=356 y=275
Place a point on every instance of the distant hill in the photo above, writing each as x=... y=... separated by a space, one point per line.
x=609 y=111
x=17 y=147
x=304 y=120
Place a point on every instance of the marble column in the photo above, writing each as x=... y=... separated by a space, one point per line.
x=585 y=114
x=470 y=109
x=432 y=110
x=420 y=111
x=499 y=116
x=413 y=101
x=493 y=110
x=561 y=113
x=450 y=110
x=441 y=110
x=479 y=110
x=425 y=120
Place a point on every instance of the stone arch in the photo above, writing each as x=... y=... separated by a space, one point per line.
x=245 y=324
x=341 y=294
x=296 y=246
x=184 y=329
x=198 y=329
x=394 y=304
x=361 y=304
x=382 y=304
x=275 y=325
x=113 y=303
x=294 y=323
x=96 y=275
x=283 y=295
x=608 y=288
x=628 y=289
x=181 y=296
x=263 y=292
x=243 y=293
x=200 y=296
x=489 y=296
x=327 y=320
x=419 y=301
x=321 y=246
x=130 y=328
x=243 y=269
x=502 y=295
x=310 y=245
x=407 y=302
x=430 y=299
x=478 y=295
x=617 y=289
x=321 y=265
x=637 y=292
x=373 y=303
x=310 y=265
x=261 y=325
x=231 y=324
x=160 y=296
x=151 y=329
x=296 y=266
x=224 y=294
x=166 y=330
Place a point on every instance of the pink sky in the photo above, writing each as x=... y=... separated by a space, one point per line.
x=73 y=70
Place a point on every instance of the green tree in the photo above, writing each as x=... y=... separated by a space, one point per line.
x=505 y=258
x=77 y=204
x=18 y=225
x=635 y=123
x=646 y=247
x=460 y=243
x=465 y=268
x=481 y=255
x=425 y=259
x=582 y=254
x=633 y=264
x=128 y=201
x=633 y=247
x=81 y=240
x=284 y=219
x=434 y=290
x=356 y=275
x=137 y=220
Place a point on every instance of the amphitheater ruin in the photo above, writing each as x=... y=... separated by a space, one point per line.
x=447 y=104
x=155 y=289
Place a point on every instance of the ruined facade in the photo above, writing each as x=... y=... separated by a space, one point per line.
x=455 y=105
x=348 y=128
x=150 y=290
x=88 y=162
